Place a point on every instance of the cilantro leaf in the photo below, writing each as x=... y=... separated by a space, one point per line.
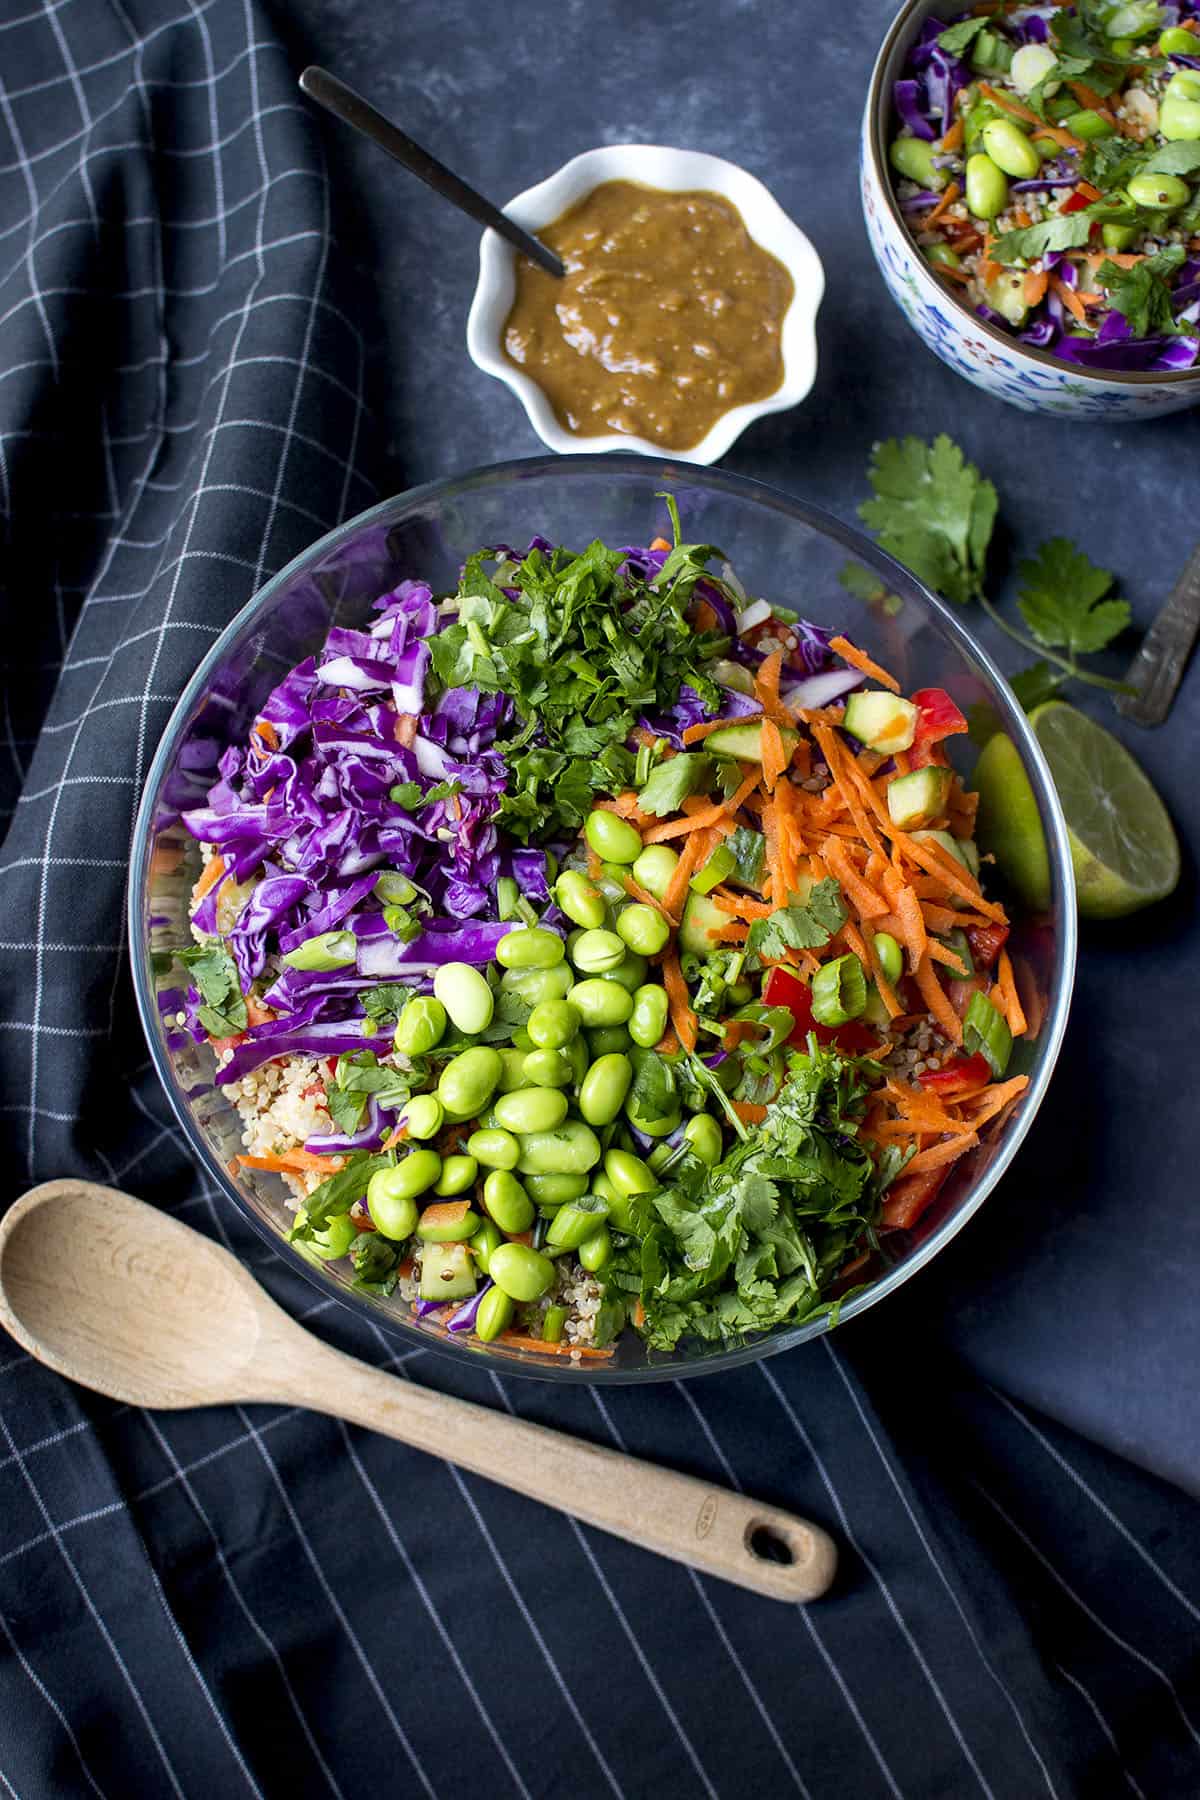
x=807 y=927
x=671 y=783
x=214 y=972
x=1142 y=293
x=1034 y=685
x=411 y=795
x=933 y=511
x=1061 y=232
x=338 y=1193
x=1179 y=158
x=749 y=847
x=376 y=1263
x=958 y=38
x=1063 y=599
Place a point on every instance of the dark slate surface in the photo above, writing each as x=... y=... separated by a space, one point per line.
x=1079 y=1287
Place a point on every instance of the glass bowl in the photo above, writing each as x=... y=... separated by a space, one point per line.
x=782 y=550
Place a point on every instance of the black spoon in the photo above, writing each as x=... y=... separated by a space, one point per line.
x=353 y=110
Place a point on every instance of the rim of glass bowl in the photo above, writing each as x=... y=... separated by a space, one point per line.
x=879 y=109
x=894 y=576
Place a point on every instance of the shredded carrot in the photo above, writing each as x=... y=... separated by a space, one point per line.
x=907 y=909
x=740 y=906
x=639 y=1313
x=865 y=901
x=947 y=200
x=1030 y=995
x=1087 y=192
x=709 y=815
x=952 y=139
x=774 y=761
x=766 y=686
x=1006 y=989
x=950 y=959
x=682 y=1016
x=165 y=858
x=930 y=855
x=748 y=1113
x=267 y=733
x=659 y=543
x=863 y=947
x=995 y=1098
x=937 y=1154
x=733 y=933
x=859 y=660
x=923 y=1110
x=210 y=877
x=395 y=1136
x=675 y=892
x=1006 y=102
x=694 y=733
x=1021 y=217
x=637 y=892
x=934 y=996
x=405 y=729
x=1088 y=97
x=545 y=1348
x=668 y=1044
x=625 y=806
x=1035 y=287
x=1070 y=299
x=292 y=1161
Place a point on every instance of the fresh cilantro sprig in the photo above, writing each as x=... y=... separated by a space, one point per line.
x=807 y=927
x=672 y=782
x=935 y=512
x=1143 y=293
x=214 y=972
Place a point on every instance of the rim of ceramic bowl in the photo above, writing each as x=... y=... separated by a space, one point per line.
x=538 y=206
x=741 y=488
x=879 y=110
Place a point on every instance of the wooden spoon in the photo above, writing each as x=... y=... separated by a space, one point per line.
x=127 y=1300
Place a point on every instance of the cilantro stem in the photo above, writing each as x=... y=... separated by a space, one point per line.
x=1068 y=665
x=706 y=1078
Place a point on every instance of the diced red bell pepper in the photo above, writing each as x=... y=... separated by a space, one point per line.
x=1074 y=203
x=937 y=718
x=782 y=988
x=986 y=941
x=959 y=1074
x=228 y=1043
x=908 y=1197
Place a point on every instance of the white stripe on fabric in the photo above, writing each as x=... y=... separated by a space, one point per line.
x=804 y=1612
x=897 y=1617
x=1107 y=1630
x=45 y=1695
x=94 y=1615
x=180 y=1474
x=1102 y=1722
x=936 y=1564
x=755 y=1697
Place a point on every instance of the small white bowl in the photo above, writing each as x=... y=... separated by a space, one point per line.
x=675 y=170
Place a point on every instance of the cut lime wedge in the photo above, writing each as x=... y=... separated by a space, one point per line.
x=1009 y=825
x=1123 y=844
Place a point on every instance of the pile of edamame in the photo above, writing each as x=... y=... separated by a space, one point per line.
x=521 y=1152
x=1028 y=142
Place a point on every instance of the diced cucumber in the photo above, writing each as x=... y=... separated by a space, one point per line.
x=875 y=1012
x=700 y=919
x=920 y=797
x=1005 y=294
x=745 y=741
x=447 y=1272
x=884 y=722
x=963 y=850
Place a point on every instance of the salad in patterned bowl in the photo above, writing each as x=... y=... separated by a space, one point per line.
x=595 y=949
x=1047 y=161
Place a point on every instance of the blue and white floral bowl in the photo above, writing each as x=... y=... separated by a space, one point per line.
x=1000 y=364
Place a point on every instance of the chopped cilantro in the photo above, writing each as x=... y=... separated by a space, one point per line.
x=411 y=795
x=958 y=38
x=933 y=511
x=1063 y=599
x=214 y=972
x=807 y=927
x=1068 y=231
x=671 y=783
x=1142 y=293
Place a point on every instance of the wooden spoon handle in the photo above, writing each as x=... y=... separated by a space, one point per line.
x=710 y=1529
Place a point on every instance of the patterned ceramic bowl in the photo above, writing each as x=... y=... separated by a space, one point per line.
x=1031 y=379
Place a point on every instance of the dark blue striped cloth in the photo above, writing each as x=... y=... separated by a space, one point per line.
x=262 y=1601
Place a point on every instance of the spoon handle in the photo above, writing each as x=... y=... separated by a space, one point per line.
x=710 y=1529
x=355 y=111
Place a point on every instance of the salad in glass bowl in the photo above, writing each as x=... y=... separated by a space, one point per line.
x=590 y=948
x=1047 y=161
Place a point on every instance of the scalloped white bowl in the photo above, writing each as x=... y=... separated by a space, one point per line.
x=654 y=166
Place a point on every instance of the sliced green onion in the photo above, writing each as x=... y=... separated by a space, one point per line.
x=507 y=895
x=395 y=889
x=839 y=991
x=328 y=950
x=986 y=1031
x=719 y=866
x=401 y=924
x=957 y=941
x=526 y=911
x=553 y=1323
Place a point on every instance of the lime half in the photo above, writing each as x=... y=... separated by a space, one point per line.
x=1009 y=826
x=1123 y=844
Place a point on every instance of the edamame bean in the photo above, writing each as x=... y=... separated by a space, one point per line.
x=1118 y=237
x=596 y=1251
x=494 y=1148
x=608 y=1040
x=507 y=1202
x=643 y=929
x=394 y=1214
x=655 y=1127
x=552 y=1024
x=572 y=1148
x=535 y=985
x=1161 y=192
x=465 y=995
x=1175 y=41
x=648 y=1020
x=1089 y=125
x=596 y=951
x=601 y=1002
x=891 y=957
x=612 y=838
x=603 y=1089
x=629 y=1174
x=1010 y=149
x=467 y=1083
x=943 y=257
x=603 y=1186
x=512 y=1070
x=575 y=1222
x=493 y=1315
x=577 y=1051
x=522 y=1041
x=552 y=1190
x=530 y=948
x=486 y=1239
x=531 y=1109
x=1185 y=83
x=629 y=974
x=458 y=1174
x=704 y=1136
x=548 y=1069
x=580 y=899
x=331 y=1241
x=408 y=1178
x=421 y=1026
x=654 y=868
x=912 y=157
x=739 y=993
x=1179 y=119
x=423 y=1116
x=987 y=187
x=521 y=1273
